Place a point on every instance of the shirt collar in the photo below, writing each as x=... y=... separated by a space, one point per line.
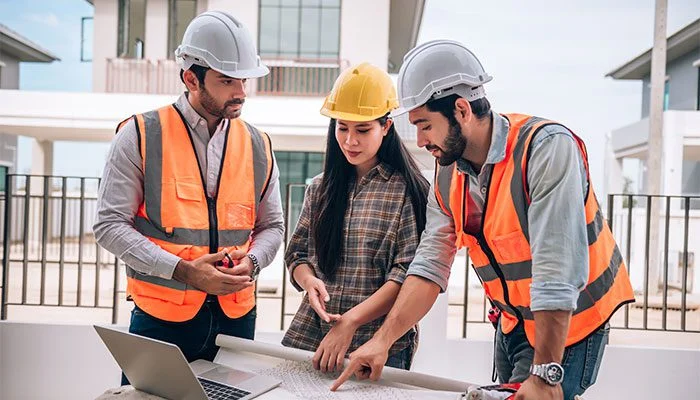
x=191 y=116
x=194 y=120
x=385 y=170
x=499 y=141
x=382 y=169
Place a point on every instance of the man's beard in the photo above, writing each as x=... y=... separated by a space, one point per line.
x=454 y=146
x=210 y=106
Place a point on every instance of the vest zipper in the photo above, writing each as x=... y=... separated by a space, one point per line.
x=211 y=201
x=213 y=225
x=481 y=241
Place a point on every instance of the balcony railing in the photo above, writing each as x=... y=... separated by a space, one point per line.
x=143 y=76
x=50 y=258
x=299 y=77
x=287 y=77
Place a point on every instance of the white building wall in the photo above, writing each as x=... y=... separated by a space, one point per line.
x=72 y=363
x=104 y=46
x=364 y=32
x=156 y=42
x=245 y=11
x=9 y=72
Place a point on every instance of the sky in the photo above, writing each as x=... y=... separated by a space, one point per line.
x=548 y=58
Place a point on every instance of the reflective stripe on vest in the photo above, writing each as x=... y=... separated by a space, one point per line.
x=177 y=215
x=506 y=236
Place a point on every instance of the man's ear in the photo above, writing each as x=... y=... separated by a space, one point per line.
x=191 y=81
x=463 y=111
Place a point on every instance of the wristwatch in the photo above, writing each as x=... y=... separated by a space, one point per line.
x=552 y=373
x=256 y=267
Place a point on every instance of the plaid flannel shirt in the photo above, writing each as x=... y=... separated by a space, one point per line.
x=379 y=241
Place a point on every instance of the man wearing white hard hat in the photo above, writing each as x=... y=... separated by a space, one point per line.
x=190 y=198
x=515 y=190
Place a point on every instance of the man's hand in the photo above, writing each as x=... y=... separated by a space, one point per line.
x=242 y=265
x=331 y=352
x=203 y=274
x=365 y=362
x=534 y=388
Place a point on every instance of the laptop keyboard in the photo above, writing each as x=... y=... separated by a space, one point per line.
x=217 y=391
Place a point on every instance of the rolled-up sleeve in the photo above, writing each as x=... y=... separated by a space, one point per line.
x=436 y=251
x=557 y=221
x=120 y=195
x=406 y=243
x=268 y=231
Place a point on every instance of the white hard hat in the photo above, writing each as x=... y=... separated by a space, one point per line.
x=217 y=40
x=437 y=69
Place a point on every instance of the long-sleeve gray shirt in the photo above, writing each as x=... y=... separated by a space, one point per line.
x=121 y=194
x=556 y=219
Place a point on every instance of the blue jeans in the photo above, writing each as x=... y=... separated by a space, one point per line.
x=402 y=359
x=196 y=337
x=581 y=361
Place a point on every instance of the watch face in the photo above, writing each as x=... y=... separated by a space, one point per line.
x=554 y=373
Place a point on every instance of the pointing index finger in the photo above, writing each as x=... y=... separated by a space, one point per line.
x=347 y=373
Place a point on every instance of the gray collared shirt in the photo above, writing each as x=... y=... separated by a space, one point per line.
x=556 y=218
x=121 y=193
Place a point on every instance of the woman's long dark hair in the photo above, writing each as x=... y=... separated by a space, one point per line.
x=327 y=227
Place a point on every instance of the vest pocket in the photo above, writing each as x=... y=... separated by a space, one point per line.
x=188 y=190
x=239 y=215
x=512 y=247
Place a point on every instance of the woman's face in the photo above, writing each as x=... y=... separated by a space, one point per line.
x=360 y=141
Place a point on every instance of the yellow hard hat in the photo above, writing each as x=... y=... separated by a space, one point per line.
x=361 y=93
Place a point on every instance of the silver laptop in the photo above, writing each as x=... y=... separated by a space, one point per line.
x=160 y=368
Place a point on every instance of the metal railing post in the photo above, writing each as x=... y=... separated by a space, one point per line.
x=6 y=240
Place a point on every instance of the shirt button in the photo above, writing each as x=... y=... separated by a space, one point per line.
x=201 y=122
x=483 y=190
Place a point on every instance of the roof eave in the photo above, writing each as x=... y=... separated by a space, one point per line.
x=404 y=26
x=23 y=49
x=680 y=43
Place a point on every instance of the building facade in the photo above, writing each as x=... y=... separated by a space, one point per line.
x=628 y=147
x=14 y=49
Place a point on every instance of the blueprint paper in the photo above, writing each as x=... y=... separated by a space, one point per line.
x=300 y=379
x=389 y=375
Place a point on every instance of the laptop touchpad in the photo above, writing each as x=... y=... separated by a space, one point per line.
x=226 y=375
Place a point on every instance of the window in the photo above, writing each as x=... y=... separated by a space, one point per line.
x=306 y=29
x=3 y=177
x=666 y=95
x=132 y=28
x=182 y=12
x=299 y=168
x=86 y=37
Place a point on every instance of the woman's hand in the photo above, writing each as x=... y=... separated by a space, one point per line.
x=331 y=352
x=318 y=296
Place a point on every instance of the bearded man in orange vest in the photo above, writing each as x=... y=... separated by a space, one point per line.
x=516 y=191
x=190 y=198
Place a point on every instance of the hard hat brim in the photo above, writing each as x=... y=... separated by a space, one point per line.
x=337 y=115
x=254 y=73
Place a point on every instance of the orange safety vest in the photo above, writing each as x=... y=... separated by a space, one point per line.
x=177 y=215
x=501 y=251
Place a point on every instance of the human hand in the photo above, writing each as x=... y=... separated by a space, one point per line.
x=318 y=297
x=203 y=274
x=534 y=388
x=331 y=352
x=365 y=362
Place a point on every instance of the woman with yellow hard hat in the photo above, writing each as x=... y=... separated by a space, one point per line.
x=360 y=225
